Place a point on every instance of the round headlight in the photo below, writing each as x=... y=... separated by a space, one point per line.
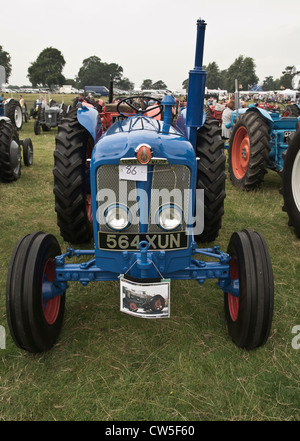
x=169 y=217
x=117 y=217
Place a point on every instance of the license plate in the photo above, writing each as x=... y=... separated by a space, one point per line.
x=130 y=242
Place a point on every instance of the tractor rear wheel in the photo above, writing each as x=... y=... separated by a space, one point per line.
x=72 y=181
x=291 y=181
x=34 y=317
x=211 y=177
x=10 y=153
x=13 y=111
x=248 y=153
x=157 y=303
x=292 y=110
x=249 y=314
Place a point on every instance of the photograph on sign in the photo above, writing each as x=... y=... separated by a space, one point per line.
x=146 y=300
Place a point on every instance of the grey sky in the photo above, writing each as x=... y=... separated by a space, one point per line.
x=152 y=38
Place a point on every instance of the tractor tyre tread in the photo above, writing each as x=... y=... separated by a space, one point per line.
x=211 y=178
x=70 y=181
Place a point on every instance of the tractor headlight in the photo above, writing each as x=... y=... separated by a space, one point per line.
x=117 y=217
x=169 y=217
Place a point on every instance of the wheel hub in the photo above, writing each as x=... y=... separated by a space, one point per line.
x=15 y=156
x=295 y=180
x=240 y=152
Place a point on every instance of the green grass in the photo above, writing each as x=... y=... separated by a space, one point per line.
x=110 y=366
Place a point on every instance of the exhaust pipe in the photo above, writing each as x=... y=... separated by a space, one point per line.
x=196 y=91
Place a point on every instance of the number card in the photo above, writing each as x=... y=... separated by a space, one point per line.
x=133 y=172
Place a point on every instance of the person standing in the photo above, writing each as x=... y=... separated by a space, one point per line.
x=226 y=118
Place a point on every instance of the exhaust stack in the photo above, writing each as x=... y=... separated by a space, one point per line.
x=196 y=91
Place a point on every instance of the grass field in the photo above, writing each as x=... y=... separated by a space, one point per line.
x=111 y=366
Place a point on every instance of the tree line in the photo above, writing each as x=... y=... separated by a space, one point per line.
x=243 y=69
x=46 y=71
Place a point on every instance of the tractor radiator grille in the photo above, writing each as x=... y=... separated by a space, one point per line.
x=166 y=180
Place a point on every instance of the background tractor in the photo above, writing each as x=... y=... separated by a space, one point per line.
x=9 y=107
x=49 y=115
x=11 y=148
x=140 y=198
x=12 y=110
x=260 y=140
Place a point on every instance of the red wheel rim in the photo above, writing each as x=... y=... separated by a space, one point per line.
x=158 y=305
x=89 y=210
x=132 y=306
x=233 y=301
x=240 y=153
x=51 y=308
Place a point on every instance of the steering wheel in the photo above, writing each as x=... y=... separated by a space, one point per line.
x=139 y=110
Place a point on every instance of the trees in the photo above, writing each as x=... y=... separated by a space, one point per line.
x=125 y=84
x=287 y=77
x=159 y=85
x=148 y=84
x=5 y=62
x=94 y=71
x=269 y=83
x=242 y=69
x=46 y=71
x=213 y=76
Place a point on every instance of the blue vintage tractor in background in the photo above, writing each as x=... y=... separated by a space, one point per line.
x=136 y=191
x=260 y=140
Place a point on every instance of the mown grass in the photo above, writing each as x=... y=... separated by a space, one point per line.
x=111 y=366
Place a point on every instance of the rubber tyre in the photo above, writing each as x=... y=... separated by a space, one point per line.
x=71 y=180
x=13 y=111
x=10 y=153
x=34 y=326
x=249 y=316
x=292 y=111
x=27 y=152
x=291 y=181
x=37 y=127
x=211 y=177
x=248 y=153
x=157 y=303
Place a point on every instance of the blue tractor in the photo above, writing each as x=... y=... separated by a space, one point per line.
x=137 y=191
x=260 y=140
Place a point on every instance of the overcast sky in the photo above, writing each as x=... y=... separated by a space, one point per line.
x=152 y=38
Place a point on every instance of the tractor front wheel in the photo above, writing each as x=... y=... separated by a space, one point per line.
x=27 y=152
x=249 y=309
x=248 y=153
x=291 y=181
x=34 y=313
x=37 y=127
